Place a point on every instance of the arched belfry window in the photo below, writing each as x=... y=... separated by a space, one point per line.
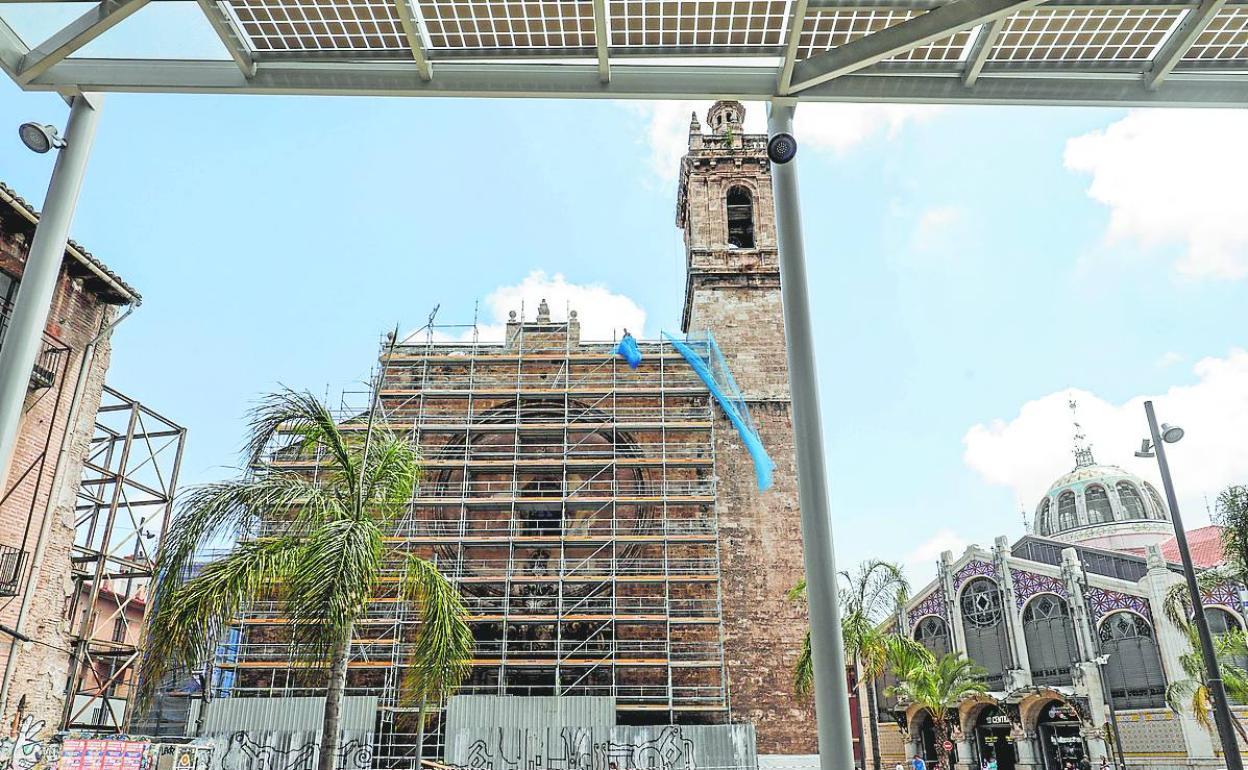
x=740 y=219
x=933 y=634
x=1097 y=500
x=1131 y=502
x=1067 y=518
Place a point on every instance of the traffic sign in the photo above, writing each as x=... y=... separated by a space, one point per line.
x=948 y=745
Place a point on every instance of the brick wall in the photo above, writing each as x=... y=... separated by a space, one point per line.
x=41 y=667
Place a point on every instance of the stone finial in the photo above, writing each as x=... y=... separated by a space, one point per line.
x=571 y=315
x=511 y=317
x=543 y=312
x=695 y=127
x=1155 y=560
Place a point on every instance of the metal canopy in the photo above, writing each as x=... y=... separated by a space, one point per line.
x=1125 y=52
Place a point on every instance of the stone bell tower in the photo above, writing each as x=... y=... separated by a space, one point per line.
x=732 y=288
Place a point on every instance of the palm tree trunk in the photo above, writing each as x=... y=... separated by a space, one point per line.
x=420 y=740
x=942 y=734
x=858 y=710
x=331 y=725
x=872 y=719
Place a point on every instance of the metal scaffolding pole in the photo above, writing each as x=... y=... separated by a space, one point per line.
x=24 y=339
x=836 y=740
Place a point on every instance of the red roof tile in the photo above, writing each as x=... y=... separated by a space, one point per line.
x=1204 y=543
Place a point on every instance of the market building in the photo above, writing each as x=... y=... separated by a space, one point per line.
x=1068 y=622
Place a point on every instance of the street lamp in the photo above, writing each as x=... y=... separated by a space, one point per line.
x=40 y=137
x=1160 y=436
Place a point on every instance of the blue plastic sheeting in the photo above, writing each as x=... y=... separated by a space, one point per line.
x=628 y=350
x=706 y=359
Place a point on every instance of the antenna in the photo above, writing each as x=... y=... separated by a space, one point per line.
x=1082 y=449
x=1022 y=511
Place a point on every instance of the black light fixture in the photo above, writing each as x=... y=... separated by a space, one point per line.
x=40 y=137
x=782 y=148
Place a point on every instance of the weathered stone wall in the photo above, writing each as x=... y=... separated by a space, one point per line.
x=735 y=293
x=41 y=668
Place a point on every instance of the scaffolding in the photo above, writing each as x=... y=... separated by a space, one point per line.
x=125 y=498
x=572 y=501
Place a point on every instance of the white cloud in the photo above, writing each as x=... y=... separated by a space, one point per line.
x=919 y=562
x=604 y=315
x=938 y=228
x=1173 y=177
x=1168 y=359
x=1028 y=452
x=835 y=128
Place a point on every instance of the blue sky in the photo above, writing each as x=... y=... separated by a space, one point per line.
x=965 y=279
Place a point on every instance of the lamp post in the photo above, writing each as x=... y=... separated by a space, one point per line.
x=1169 y=434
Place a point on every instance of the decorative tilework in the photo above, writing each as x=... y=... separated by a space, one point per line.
x=1028 y=584
x=1226 y=595
x=973 y=569
x=1104 y=602
x=932 y=604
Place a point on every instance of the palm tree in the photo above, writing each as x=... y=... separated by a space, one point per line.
x=1192 y=693
x=319 y=551
x=937 y=686
x=1231 y=513
x=867 y=598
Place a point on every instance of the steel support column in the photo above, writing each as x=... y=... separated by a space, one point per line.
x=836 y=740
x=24 y=339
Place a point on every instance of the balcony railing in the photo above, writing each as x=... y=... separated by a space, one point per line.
x=47 y=365
x=11 y=562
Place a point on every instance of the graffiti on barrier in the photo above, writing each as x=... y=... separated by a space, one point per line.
x=574 y=748
x=253 y=755
x=26 y=750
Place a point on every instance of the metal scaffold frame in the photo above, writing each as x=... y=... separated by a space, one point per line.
x=571 y=499
x=125 y=499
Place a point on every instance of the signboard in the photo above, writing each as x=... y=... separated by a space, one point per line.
x=99 y=754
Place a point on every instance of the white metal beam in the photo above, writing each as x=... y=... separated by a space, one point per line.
x=238 y=49
x=899 y=38
x=796 y=19
x=636 y=81
x=407 y=18
x=602 y=39
x=1189 y=29
x=12 y=49
x=75 y=35
x=988 y=35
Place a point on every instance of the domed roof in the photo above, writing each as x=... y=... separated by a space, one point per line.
x=1093 y=500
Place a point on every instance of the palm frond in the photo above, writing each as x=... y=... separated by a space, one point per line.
x=391 y=473
x=442 y=654
x=311 y=425
x=798 y=592
x=192 y=616
x=804 y=669
x=329 y=587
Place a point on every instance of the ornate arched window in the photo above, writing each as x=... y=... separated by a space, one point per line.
x=1132 y=504
x=1067 y=517
x=740 y=218
x=1133 y=672
x=1042 y=518
x=1156 y=498
x=933 y=633
x=983 y=619
x=1050 y=640
x=1222 y=622
x=1097 y=501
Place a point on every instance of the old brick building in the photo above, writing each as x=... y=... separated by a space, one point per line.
x=38 y=501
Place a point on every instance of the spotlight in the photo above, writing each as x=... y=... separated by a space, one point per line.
x=40 y=137
x=1146 y=449
x=782 y=148
x=1171 y=433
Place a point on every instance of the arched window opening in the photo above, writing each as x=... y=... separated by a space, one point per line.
x=983 y=619
x=1097 y=501
x=1156 y=498
x=740 y=219
x=933 y=633
x=1221 y=623
x=1050 y=640
x=1132 y=504
x=1042 y=518
x=1067 y=518
x=1133 y=672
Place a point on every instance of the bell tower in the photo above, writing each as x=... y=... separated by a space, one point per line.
x=732 y=276
x=732 y=289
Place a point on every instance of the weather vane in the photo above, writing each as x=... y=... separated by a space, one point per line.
x=1082 y=449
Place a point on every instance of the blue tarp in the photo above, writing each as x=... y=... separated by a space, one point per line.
x=708 y=362
x=628 y=350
